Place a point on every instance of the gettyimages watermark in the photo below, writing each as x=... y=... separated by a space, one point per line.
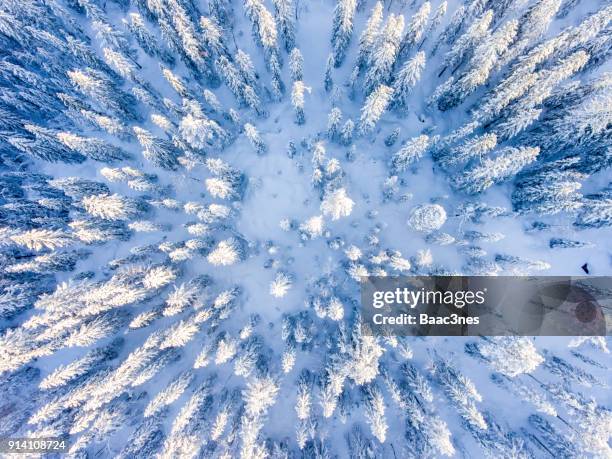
x=488 y=306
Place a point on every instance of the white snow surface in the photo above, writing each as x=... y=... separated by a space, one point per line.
x=279 y=187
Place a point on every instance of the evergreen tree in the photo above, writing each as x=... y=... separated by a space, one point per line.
x=533 y=24
x=451 y=31
x=435 y=21
x=227 y=182
x=342 y=29
x=43 y=143
x=291 y=149
x=411 y=152
x=159 y=151
x=222 y=12
x=253 y=136
x=113 y=207
x=296 y=64
x=507 y=163
x=518 y=266
x=596 y=210
x=95 y=149
x=199 y=131
x=283 y=10
x=328 y=81
x=333 y=123
x=415 y=29
x=562 y=243
x=251 y=99
x=346 y=134
x=246 y=68
x=466 y=43
x=407 y=78
x=476 y=147
x=212 y=101
x=297 y=100
x=548 y=193
x=110 y=37
x=523 y=113
x=264 y=27
x=375 y=413
x=461 y=392
x=230 y=76
x=194 y=54
x=582 y=124
x=480 y=65
x=146 y=40
x=277 y=83
x=392 y=138
x=553 y=441
x=373 y=108
x=212 y=36
x=76 y=187
x=337 y=204
x=42 y=239
x=384 y=53
x=100 y=88
x=121 y=63
x=511 y=356
x=177 y=83
x=425 y=219
x=369 y=36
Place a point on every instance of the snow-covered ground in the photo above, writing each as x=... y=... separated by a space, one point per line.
x=183 y=229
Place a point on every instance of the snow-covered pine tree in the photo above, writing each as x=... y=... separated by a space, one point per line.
x=328 y=81
x=476 y=147
x=511 y=356
x=533 y=24
x=596 y=210
x=507 y=163
x=369 y=36
x=283 y=12
x=415 y=29
x=342 y=29
x=264 y=27
x=296 y=64
x=481 y=64
x=159 y=151
x=95 y=149
x=255 y=139
x=392 y=137
x=548 y=192
x=412 y=151
x=147 y=41
x=297 y=100
x=449 y=34
x=333 y=123
x=213 y=37
x=384 y=53
x=43 y=144
x=435 y=21
x=406 y=79
x=466 y=43
x=374 y=107
x=93 y=83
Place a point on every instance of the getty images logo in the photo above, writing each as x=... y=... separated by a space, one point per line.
x=412 y=298
x=504 y=305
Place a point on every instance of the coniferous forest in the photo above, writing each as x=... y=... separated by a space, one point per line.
x=192 y=190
